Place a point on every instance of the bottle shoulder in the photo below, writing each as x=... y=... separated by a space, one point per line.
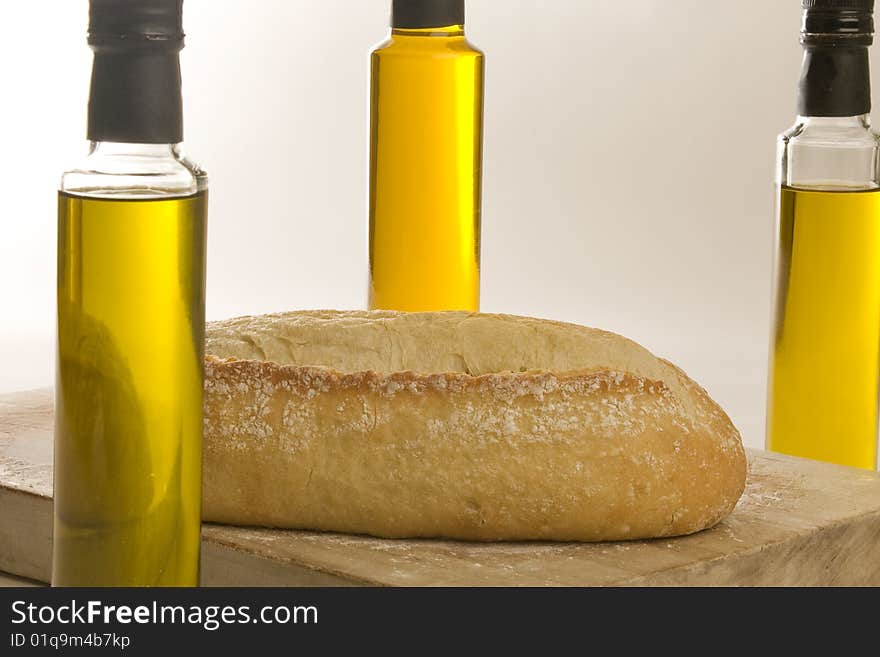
x=407 y=46
x=473 y=49
x=135 y=171
x=380 y=47
x=829 y=153
x=830 y=133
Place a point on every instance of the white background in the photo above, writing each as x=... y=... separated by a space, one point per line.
x=628 y=165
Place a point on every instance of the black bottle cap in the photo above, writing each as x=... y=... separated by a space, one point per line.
x=838 y=22
x=135 y=93
x=420 y=14
x=135 y=20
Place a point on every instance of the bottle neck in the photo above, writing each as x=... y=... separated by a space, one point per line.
x=135 y=170
x=444 y=31
x=420 y=14
x=835 y=81
x=135 y=94
x=146 y=151
x=858 y=122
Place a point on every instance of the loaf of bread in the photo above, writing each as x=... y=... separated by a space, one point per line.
x=458 y=425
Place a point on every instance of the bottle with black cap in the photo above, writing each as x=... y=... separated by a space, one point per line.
x=131 y=293
x=825 y=352
x=426 y=116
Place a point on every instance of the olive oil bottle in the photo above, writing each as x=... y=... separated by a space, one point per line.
x=425 y=161
x=825 y=353
x=131 y=294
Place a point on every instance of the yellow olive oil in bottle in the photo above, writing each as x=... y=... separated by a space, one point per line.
x=825 y=352
x=425 y=158
x=131 y=282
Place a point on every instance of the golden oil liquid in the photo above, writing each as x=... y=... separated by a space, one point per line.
x=824 y=363
x=425 y=154
x=129 y=391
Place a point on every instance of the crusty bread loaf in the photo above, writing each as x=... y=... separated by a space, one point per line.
x=460 y=425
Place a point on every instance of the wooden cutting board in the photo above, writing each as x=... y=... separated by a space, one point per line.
x=799 y=523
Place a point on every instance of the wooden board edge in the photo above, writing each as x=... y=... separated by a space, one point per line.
x=223 y=565
x=26 y=536
x=26 y=551
x=849 y=556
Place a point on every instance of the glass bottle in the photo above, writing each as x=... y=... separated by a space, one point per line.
x=426 y=116
x=131 y=296
x=825 y=352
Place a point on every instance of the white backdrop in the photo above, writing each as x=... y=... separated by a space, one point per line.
x=628 y=165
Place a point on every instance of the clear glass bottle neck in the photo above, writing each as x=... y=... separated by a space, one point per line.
x=862 y=121
x=124 y=149
x=134 y=170
x=829 y=153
